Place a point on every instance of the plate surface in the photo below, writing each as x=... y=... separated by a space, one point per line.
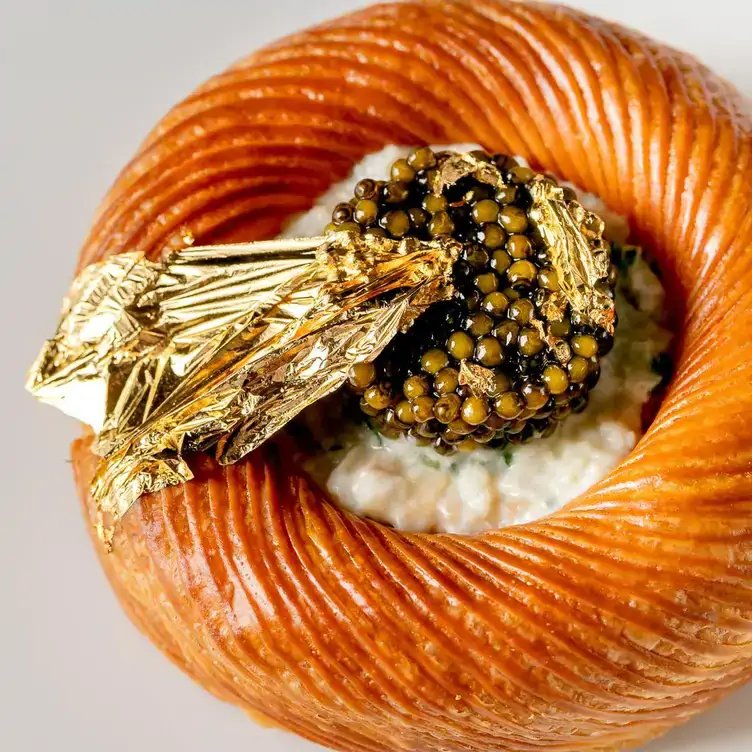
x=82 y=82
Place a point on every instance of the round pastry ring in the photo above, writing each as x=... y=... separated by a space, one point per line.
x=600 y=626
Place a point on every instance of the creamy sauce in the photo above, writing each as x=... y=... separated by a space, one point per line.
x=414 y=488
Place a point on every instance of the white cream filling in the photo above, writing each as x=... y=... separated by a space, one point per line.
x=414 y=488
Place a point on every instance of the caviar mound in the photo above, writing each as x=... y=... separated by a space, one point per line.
x=599 y=627
x=538 y=361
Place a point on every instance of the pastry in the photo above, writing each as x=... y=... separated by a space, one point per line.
x=597 y=627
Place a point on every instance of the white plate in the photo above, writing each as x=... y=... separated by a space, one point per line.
x=82 y=83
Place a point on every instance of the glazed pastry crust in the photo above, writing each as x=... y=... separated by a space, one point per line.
x=599 y=627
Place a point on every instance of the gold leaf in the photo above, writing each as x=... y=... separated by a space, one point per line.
x=480 y=380
x=218 y=347
x=577 y=251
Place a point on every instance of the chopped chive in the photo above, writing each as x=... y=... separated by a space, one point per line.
x=375 y=432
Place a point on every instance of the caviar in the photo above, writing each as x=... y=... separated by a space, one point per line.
x=495 y=320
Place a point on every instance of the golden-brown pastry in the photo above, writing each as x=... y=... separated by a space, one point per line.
x=599 y=627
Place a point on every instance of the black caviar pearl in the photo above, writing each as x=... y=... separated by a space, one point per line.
x=579 y=404
x=366 y=189
x=593 y=377
x=462 y=272
x=605 y=341
x=342 y=213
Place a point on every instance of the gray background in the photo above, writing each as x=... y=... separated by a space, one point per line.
x=80 y=84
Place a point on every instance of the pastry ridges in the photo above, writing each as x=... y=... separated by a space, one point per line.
x=603 y=625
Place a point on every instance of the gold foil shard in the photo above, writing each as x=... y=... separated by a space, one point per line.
x=217 y=348
x=562 y=350
x=577 y=251
x=560 y=346
x=480 y=380
x=458 y=166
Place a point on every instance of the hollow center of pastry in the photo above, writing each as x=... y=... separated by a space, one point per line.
x=406 y=483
